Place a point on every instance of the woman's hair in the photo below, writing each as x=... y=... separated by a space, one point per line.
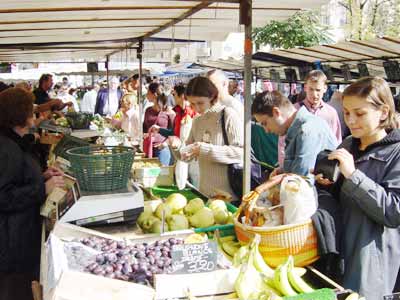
x=162 y=101
x=264 y=103
x=23 y=85
x=44 y=78
x=376 y=91
x=179 y=89
x=16 y=107
x=153 y=87
x=202 y=87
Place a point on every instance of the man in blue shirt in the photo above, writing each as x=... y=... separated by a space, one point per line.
x=306 y=134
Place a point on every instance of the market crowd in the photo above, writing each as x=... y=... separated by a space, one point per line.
x=201 y=125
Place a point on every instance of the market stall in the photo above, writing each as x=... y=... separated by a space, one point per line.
x=158 y=226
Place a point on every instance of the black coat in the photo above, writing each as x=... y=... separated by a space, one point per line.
x=22 y=191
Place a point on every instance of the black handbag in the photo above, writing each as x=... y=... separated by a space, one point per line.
x=235 y=171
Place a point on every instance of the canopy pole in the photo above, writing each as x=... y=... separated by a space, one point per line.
x=246 y=20
x=139 y=55
x=108 y=79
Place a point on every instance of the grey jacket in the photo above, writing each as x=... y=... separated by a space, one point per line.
x=370 y=199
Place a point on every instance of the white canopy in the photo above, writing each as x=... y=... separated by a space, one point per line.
x=88 y=30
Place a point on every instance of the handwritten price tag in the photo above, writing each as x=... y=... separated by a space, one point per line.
x=194 y=258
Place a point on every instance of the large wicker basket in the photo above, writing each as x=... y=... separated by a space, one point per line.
x=278 y=242
x=101 y=168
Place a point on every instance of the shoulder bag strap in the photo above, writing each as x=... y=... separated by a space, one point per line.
x=224 y=134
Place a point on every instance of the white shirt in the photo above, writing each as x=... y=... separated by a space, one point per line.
x=112 y=103
x=89 y=101
x=130 y=123
x=146 y=104
x=65 y=97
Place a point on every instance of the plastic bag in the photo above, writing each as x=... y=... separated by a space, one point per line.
x=181 y=167
x=298 y=199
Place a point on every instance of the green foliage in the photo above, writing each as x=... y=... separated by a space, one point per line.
x=177 y=58
x=371 y=18
x=303 y=29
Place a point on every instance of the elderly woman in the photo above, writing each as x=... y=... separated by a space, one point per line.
x=23 y=189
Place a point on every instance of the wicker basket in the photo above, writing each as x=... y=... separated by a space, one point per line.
x=101 y=168
x=278 y=242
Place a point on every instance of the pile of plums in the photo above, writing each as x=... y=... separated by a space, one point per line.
x=136 y=263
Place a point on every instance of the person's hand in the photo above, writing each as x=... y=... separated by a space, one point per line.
x=53 y=182
x=57 y=104
x=174 y=142
x=52 y=171
x=39 y=120
x=161 y=146
x=154 y=129
x=193 y=152
x=346 y=161
x=319 y=178
x=275 y=172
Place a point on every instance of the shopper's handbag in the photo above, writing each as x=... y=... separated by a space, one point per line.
x=148 y=141
x=148 y=145
x=235 y=171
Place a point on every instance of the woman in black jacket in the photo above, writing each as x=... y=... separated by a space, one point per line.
x=22 y=190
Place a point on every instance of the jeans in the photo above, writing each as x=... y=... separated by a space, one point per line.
x=164 y=155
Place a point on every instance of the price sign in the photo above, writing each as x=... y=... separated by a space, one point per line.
x=194 y=258
x=395 y=296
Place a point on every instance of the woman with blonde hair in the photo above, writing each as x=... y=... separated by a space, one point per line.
x=368 y=191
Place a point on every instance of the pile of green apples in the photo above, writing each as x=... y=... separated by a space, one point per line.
x=180 y=214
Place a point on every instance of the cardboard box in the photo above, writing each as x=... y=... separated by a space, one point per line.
x=154 y=175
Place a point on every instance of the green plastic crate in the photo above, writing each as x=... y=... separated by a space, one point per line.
x=189 y=193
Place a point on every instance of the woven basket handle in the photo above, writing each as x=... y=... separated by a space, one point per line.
x=251 y=201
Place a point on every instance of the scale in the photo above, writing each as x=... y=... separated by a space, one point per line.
x=71 y=205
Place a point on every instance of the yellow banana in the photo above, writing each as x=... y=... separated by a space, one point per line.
x=241 y=256
x=259 y=262
x=295 y=280
x=231 y=247
x=220 y=246
x=281 y=280
x=227 y=238
x=299 y=271
x=352 y=296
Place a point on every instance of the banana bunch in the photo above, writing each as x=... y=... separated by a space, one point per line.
x=227 y=245
x=255 y=275
x=259 y=281
x=354 y=296
x=288 y=281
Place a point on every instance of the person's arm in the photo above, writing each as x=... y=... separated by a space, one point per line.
x=53 y=104
x=166 y=132
x=307 y=146
x=15 y=198
x=145 y=121
x=226 y=154
x=175 y=150
x=380 y=202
